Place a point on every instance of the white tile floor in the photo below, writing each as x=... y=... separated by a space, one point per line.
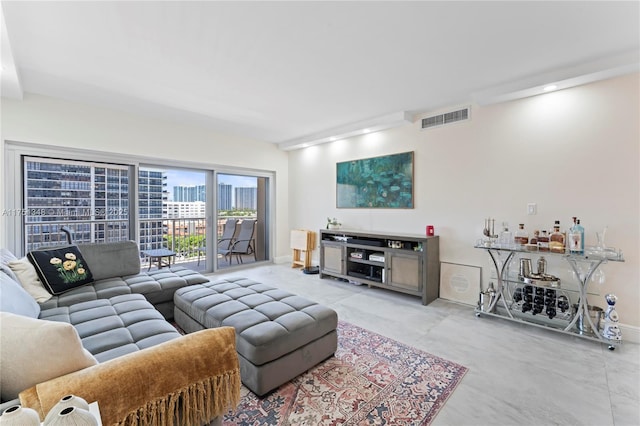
x=518 y=375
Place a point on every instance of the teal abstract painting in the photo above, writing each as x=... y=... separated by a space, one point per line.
x=379 y=182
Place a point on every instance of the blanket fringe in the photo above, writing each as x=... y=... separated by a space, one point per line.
x=196 y=404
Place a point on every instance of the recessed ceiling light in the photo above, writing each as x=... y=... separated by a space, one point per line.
x=550 y=88
x=350 y=130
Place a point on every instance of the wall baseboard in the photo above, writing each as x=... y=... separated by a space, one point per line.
x=630 y=333
x=283 y=259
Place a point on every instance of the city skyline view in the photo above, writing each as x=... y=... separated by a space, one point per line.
x=93 y=200
x=195 y=178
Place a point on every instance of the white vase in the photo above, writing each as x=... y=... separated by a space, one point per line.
x=71 y=416
x=67 y=401
x=19 y=416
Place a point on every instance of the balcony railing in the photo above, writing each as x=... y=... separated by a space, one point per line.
x=185 y=236
x=45 y=234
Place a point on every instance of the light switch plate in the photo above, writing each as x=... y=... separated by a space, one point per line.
x=532 y=208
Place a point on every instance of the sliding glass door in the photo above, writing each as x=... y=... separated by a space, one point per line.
x=172 y=213
x=241 y=219
x=175 y=213
x=183 y=209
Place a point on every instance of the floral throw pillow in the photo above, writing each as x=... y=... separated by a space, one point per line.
x=60 y=269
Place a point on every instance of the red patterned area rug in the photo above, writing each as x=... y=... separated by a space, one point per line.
x=372 y=380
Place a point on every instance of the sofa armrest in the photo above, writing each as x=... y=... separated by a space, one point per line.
x=188 y=380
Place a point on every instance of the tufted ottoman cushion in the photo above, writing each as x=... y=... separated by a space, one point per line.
x=279 y=335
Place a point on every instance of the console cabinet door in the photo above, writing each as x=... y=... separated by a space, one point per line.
x=333 y=258
x=405 y=271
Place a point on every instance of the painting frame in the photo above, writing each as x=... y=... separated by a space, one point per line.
x=383 y=182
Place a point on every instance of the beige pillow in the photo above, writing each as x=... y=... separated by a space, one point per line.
x=34 y=351
x=29 y=280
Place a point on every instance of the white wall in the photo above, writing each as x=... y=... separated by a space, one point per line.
x=43 y=120
x=573 y=152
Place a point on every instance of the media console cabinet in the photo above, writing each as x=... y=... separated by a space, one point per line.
x=404 y=263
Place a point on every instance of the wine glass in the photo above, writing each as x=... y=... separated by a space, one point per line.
x=598 y=276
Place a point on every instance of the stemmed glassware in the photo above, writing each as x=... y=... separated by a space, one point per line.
x=598 y=276
x=602 y=250
x=600 y=245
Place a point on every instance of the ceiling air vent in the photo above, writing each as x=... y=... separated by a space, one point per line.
x=446 y=118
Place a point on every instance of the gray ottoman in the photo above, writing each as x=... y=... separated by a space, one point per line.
x=279 y=335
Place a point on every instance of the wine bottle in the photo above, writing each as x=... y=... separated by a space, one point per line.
x=551 y=312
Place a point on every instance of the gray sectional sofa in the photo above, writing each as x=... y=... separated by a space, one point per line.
x=120 y=316
x=116 y=271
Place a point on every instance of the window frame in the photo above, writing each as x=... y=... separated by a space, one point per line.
x=13 y=182
x=93 y=209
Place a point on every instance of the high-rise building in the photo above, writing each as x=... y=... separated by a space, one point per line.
x=90 y=198
x=152 y=199
x=225 y=201
x=190 y=193
x=246 y=198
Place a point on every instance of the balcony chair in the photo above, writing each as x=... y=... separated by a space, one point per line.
x=200 y=251
x=228 y=237
x=244 y=241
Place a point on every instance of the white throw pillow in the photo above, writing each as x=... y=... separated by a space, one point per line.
x=29 y=280
x=15 y=299
x=34 y=351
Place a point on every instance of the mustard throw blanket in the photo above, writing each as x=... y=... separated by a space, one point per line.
x=186 y=381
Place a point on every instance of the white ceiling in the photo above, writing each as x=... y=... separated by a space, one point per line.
x=280 y=71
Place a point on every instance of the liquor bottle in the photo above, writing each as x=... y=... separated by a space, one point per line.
x=534 y=239
x=610 y=329
x=543 y=241
x=556 y=239
x=576 y=237
x=570 y=243
x=506 y=237
x=581 y=230
x=521 y=236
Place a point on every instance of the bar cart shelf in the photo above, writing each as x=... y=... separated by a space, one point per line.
x=564 y=310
